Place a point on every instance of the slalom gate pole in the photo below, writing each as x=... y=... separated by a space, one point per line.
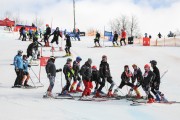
x=36 y=76
x=61 y=81
x=32 y=82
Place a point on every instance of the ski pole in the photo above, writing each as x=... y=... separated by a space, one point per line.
x=32 y=82
x=163 y=74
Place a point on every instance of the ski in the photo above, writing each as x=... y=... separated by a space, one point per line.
x=112 y=46
x=61 y=96
x=93 y=99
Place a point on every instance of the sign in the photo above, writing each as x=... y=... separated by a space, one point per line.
x=43 y=61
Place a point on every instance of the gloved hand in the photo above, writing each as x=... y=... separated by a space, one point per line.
x=78 y=78
x=16 y=69
x=59 y=70
x=29 y=66
x=49 y=75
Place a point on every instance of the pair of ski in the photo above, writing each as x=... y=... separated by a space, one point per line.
x=144 y=102
x=26 y=87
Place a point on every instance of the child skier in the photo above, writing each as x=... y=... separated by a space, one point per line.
x=115 y=38
x=68 y=45
x=26 y=75
x=97 y=39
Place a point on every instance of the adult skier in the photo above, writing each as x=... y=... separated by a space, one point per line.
x=69 y=74
x=156 y=82
x=123 y=37
x=115 y=38
x=105 y=74
x=47 y=35
x=18 y=64
x=97 y=39
x=76 y=69
x=56 y=34
x=68 y=45
x=51 y=74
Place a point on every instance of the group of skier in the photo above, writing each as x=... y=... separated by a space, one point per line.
x=150 y=80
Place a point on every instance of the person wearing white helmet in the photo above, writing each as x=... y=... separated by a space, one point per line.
x=18 y=64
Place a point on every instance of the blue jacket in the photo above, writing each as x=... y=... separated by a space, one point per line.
x=25 y=65
x=18 y=62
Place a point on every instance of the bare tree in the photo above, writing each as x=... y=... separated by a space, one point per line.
x=133 y=25
x=8 y=14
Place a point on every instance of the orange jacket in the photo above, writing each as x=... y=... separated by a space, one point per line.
x=123 y=34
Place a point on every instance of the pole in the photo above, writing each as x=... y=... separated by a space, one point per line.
x=74 y=14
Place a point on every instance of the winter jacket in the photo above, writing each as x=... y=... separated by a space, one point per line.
x=148 y=77
x=51 y=68
x=115 y=38
x=137 y=75
x=123 y=34
x=104 y=70
x=48 y=31
x=68 y=71
x=25 y=65
x=95 y=76
x=86 y=71
x=18 y=62
x=126 y=76
x=68 y=41
x=157 y=75
x=76 y=68
x=56 y=34
x=98 y=36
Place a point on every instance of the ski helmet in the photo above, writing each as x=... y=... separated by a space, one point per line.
x=20 y=51
x=153 y=62
x=52 y=57
x=146 y=66
x=78 y=59
x=69 y=60
x=89 y=61
x=94 y=67
x=47 y=25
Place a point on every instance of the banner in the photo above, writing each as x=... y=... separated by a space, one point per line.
x=43 y=61
x=108 y=34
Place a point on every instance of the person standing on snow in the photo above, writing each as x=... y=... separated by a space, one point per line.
x=56 y=34
x=105 y=74
x=156 y=82
x=126 y=76
x=97 y=39
x=86 y=73
x=68 y=45
x=51 y=74
x=47 y=35
x=115 y=38
x=123 y=37
x=26 y=75
x=137 y=75
x=18 y=64
x=69 y=74
x=148 y=77
x=76 y=69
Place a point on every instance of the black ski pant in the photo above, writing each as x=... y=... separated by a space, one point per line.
x=68 y=83
x=67 y=49
x=123 y=84
x=114 y=41
x=55 y=40
x=122 y=39
x=102 y=84
x=19 y=77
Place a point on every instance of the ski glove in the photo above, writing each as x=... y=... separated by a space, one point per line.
x=59 y=70
x=29 y=66
x=49 y=75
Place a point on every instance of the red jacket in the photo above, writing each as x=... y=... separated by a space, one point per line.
x=123 y=34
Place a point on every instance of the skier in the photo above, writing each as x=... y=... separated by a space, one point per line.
x=159 y=35
x=115 y=38
x=97 y=39
x=21 y=32
x=96 y=78
x=123 y=37
x=30 y=32
x=105 y=74
x=156 y=82
x=76 y=69
x=26 y=75
x=56 y=34
x=126 y=76
x=46 y=35
x=86 y=77
x=18 y=63
x=24 y=34
x=68 y=45
x=69 y=74
x=51 y=74
x=148 y=77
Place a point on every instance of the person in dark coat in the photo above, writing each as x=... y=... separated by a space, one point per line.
x=68 y=45
x=97 y=39
x=156 y=82
x=76 y=69
x=159 y=35
x=115 y=38
x=56 y=34
x=105 y=75
x=51 y=74
x=86 y=73
x=47 y=35
x=95 y=78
